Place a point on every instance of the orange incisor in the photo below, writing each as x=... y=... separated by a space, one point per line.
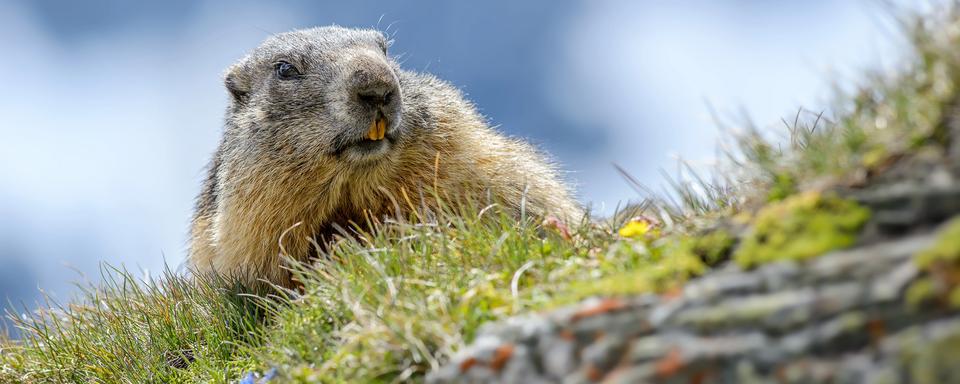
x=378 y=128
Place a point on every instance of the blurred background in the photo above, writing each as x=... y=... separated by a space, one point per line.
x=109 y=110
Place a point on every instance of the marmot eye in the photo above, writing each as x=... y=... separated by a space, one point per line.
x=285 y=70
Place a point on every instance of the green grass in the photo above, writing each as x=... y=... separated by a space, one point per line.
x=395 y=300
x=125 y=330
x=387 y=303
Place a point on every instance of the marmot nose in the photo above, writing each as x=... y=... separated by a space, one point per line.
x=376 y=96
x=374 y=86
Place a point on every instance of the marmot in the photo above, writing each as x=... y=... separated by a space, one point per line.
x=323 y=127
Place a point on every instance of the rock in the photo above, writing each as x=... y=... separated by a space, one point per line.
x=839 y=318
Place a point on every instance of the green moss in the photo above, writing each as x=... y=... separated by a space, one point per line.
x=801 y=227
x=929 y=361
x=712 y=247
x=661 y=265
x=941 y=262
x=954 y=298
x=783 y=186
x=875 y=156
x=919 y=292
x=659 y=278
x=946 y=249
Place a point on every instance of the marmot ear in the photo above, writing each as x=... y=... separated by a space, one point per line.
x=236 y=84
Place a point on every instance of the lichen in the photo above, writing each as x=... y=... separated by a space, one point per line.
x=941 y=263
x=801 y=227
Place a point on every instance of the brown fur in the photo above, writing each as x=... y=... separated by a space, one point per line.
x=253 y=197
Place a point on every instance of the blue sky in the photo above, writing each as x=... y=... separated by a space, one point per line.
x=110 y=109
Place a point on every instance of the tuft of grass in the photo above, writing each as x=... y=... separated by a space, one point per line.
x=130 y=330
x=394 y=302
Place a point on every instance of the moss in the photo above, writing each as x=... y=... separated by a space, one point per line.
x=712 y=247
x=874 y=157
x=944 y=251
x=662 y=265
x=919 y=292
x=930 y=361
x=801 y=227
x=941 y=263
x=659 y=278
x=783 y=186
x=621 y=284
x=954 y=298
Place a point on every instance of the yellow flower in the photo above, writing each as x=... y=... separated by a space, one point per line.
x=635 y=229
x=639 y=227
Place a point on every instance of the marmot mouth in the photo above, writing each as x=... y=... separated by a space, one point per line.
x=378 y=128
x=376 y=140
x=364 y=146
x=368 y=146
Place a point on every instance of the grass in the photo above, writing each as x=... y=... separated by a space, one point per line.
x=389 y=303
x=400 y=297
x=126 y=329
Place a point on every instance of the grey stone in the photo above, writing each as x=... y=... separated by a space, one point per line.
x=840 y=319
x=716 y=286
x=662 y=313
x=835 y=298
x=520 y=368
x=646 y=349
x=778 y=310
x=641 y=373
x=558 y=356
x=889 y=286
x=866 y=261
x=603 y=354
x=779 y=275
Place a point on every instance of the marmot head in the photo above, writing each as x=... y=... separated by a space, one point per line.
x=318 y=93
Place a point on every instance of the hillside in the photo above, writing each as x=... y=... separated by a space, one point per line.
x=831 y=256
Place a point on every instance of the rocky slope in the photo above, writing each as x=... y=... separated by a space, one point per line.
x=866 y=314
